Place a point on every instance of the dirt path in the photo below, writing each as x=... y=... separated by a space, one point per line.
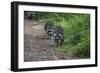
x=37 y=45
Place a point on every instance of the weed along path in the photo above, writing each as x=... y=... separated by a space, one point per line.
x=37 y=45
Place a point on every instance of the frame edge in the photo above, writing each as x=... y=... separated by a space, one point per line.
x=14 y=37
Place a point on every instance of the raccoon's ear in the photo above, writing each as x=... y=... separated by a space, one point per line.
x=60 y=35
x=54 y=34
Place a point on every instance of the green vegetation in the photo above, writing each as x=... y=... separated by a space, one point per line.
x=76 y=31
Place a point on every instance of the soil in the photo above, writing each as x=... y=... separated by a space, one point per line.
x=37 y=45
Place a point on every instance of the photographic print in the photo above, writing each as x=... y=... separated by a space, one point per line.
x=56 y=36
x=53 y=36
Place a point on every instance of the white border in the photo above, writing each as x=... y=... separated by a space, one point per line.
x=22 y=64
